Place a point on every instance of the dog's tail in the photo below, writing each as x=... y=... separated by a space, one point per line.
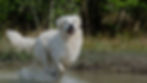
x=19 y=42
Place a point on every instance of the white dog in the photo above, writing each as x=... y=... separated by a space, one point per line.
x=63 y=45
x=60 y=47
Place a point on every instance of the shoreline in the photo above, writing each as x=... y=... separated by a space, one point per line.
x=121 y=62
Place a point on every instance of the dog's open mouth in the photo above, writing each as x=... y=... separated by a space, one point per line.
x=70 y=30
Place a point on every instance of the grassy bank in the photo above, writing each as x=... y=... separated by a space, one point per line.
x=117 y=44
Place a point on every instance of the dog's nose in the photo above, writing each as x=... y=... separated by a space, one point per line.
x=70 y=29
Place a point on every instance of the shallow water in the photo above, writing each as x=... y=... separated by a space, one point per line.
x=83 y=77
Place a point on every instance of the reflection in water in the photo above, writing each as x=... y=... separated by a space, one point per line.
x=83 y=77
x=37 y=75
x=71 y=78
x=13 y=77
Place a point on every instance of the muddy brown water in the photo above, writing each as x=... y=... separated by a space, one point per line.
x=83 y=77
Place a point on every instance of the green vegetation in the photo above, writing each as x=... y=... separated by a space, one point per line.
x=9 y=54
x=128 y=15
x=12 y=56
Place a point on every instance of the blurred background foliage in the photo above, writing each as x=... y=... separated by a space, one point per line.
x=99 y=16
x=113 y=26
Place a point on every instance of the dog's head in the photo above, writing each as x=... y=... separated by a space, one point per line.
x=69 y=25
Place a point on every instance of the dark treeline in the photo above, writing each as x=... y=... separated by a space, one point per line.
x=99 y=16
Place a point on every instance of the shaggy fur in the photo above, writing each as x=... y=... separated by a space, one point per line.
x=19 y=42
x=55 y=50
x=61 y=47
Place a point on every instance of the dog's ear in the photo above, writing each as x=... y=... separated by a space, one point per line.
x=60 y=22
x=78 y=19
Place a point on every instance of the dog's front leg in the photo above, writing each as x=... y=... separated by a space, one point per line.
x=60 y=67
